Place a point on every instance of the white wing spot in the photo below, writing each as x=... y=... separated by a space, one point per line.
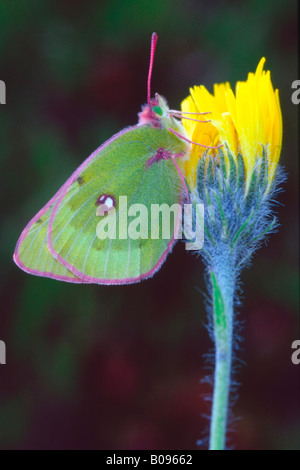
x=105 y=204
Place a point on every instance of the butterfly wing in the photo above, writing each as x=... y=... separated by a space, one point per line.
x=119 y=169
x=32 y=253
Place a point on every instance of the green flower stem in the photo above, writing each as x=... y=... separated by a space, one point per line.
x=223 y=284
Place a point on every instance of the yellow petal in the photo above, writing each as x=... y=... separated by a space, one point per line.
x=247 y=122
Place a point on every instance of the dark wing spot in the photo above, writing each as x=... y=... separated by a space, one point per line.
x=39 y=221
x=80 y=180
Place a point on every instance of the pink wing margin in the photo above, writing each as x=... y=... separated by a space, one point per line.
x=35 y=272
x=92 y=280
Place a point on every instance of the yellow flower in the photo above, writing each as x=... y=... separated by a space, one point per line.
x=245 y=122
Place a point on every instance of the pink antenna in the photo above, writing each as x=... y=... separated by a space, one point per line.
x=153 y=45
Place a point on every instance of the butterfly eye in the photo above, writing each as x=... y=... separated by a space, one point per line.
x=157 y=110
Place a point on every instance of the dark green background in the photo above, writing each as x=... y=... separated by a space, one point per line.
x=119 y=367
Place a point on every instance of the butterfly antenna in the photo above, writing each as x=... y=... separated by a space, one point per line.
x=153 y=45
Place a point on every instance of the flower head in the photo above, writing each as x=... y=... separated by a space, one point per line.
x=248 y=123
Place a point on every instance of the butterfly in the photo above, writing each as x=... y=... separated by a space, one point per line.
x=141 y=163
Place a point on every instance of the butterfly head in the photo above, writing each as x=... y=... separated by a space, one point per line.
x=156 y=113
x=153 y=112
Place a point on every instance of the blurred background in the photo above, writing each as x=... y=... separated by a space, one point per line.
x=96 y=367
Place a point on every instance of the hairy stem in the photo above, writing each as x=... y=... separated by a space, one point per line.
x=223 y=284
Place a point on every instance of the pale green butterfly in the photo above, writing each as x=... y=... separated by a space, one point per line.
x=139 y=162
